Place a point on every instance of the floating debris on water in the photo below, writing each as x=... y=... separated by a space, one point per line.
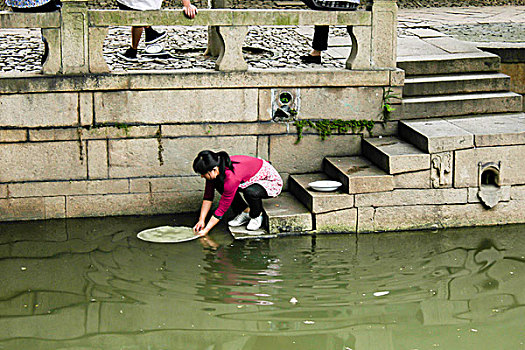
x=380 y=294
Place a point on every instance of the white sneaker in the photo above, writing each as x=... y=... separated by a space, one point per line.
x=255 y=224
x=239 y=220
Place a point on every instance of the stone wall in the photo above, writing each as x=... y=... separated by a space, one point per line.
x=99 y=145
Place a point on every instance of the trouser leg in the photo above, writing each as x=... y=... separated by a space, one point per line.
x=238 y=204
x=320 y=41
x=254 y=195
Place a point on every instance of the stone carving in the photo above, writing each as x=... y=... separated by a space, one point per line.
x=441 y=170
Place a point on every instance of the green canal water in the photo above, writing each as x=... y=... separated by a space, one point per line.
x=91 y=284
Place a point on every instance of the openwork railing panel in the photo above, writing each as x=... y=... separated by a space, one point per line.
x=76 y=34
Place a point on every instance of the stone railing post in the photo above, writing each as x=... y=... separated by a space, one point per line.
x=384 y=34
x=74 y=37
x=215 y=43
x=231 y=58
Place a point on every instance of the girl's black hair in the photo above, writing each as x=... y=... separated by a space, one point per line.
x=207 y=160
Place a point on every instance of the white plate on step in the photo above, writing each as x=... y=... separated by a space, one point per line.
x=168 y=234
x=325 y=185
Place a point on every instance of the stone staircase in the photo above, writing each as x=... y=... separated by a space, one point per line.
x=468 y=101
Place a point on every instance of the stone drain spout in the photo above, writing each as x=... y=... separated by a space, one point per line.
x=490 y=192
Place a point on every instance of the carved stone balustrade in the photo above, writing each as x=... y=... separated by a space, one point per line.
x=76 y=34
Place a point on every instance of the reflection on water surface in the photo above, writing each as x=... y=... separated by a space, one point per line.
x=91 y=284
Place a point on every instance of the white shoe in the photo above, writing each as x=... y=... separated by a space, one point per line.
x=239 y=220
x=255 y=224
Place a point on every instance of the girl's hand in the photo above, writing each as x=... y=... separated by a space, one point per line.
x=190 y=11
x=199 y=226
x=203 y=232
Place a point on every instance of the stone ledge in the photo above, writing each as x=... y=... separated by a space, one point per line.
x=193 y=79
x=358 y=175
x=340 y=221
x=318 y=202
x=439 y=216
x=404 y=197
x=63 y=188
x=494 y=130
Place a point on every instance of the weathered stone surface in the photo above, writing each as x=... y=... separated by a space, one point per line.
x=86 y=108
x=426 y=33
x=43 y=161
x=474 y=198
x=33 y=110
x=231 y=58
x=404 y=197
x=224 y=129
x=358 y=175
x=148 y=157
x=394 y=155
x=452 y=45
x=97 y=159
x=384 y=34
x=456 y=105
x=69 y=134
x=466 y=173
x=120 y=131
x=12 y=209
x=67 y=188
x=3 y=190
x=451 y=63
x=360 y=56
x=287 y=215
x=365 y=219
x=55 y=207
x=432 y=216
x=417 y=179
x=410 y=63
x=133 y=204
x=263 y=147
x=454 y=84
x=307 y=155
x=318 y=202
x=349 y=103
x=517 y=193
x=167 y=184
x=13 y=135
x=397 y=77
x=265 y=104
x=257 y=79
x=496 y=130
x=343 y=221
x=169 y=106
x=433 y=136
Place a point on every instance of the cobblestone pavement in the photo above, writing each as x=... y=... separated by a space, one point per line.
x=265 y=48
x=272 y=47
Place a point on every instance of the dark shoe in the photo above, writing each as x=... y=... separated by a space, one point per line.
x=152 y=36
x=130 y=55
x=311 y=59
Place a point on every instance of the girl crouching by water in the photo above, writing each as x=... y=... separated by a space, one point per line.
x=255 y=178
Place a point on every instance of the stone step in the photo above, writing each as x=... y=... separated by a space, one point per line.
x=458 y=105
x=286 y=215
x=435 y=135
x=448 y=64
x=455 y=84
x=358 y=175
x=395 y=156
x=494 y=130
x=318 y=202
